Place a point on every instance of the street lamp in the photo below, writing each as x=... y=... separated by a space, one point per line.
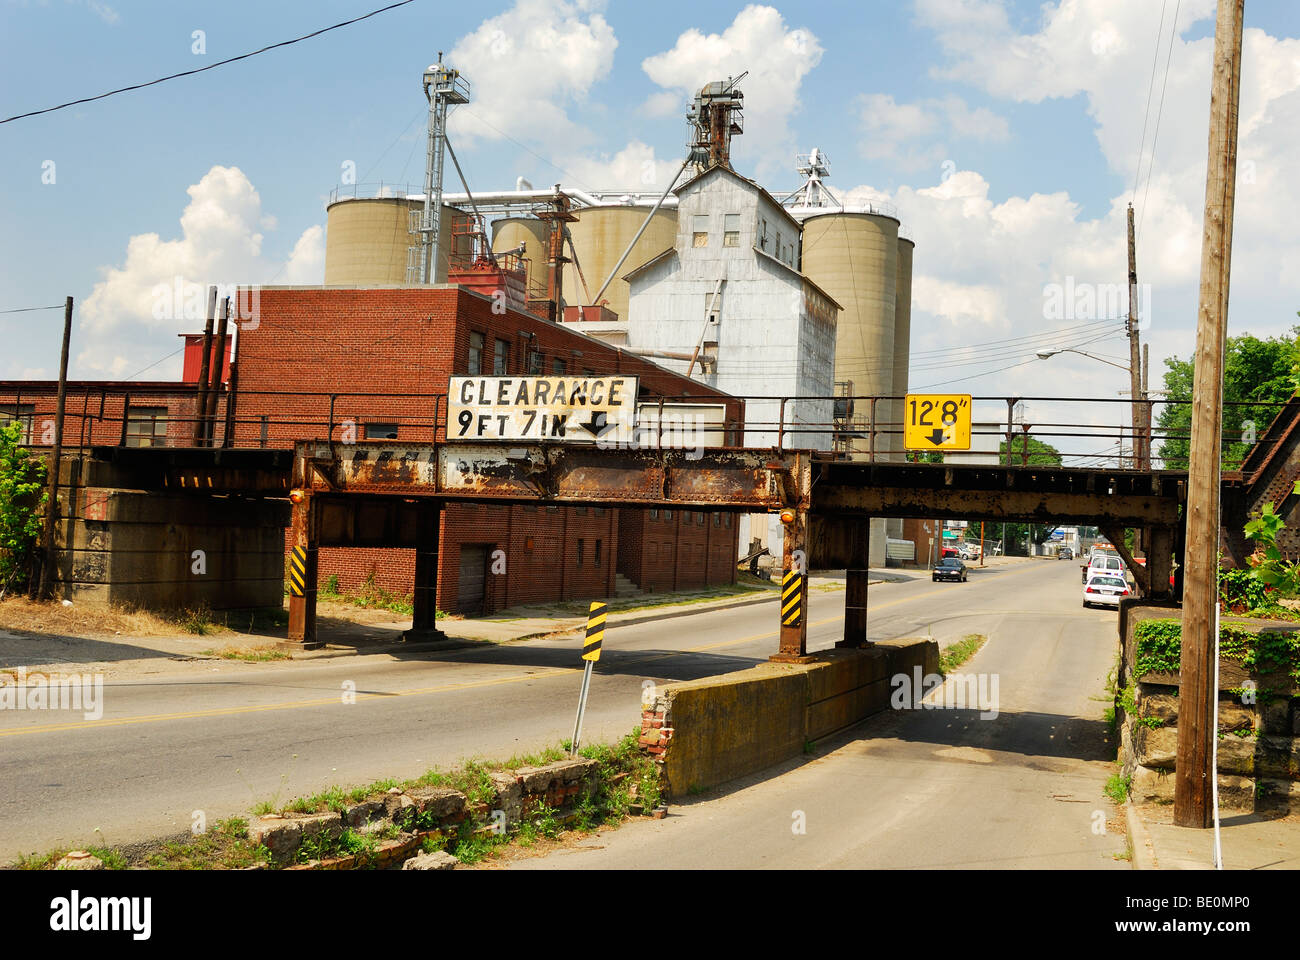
x=1141 y=454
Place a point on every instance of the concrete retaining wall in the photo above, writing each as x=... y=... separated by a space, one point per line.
x=706 y=732
x=165 y=552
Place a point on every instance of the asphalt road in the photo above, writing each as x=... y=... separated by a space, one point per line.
x=929 y=788
x=221 y=739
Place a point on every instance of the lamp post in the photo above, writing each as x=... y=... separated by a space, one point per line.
x=1140 y=452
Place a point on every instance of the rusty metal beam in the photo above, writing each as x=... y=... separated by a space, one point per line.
x=1028 y=506
x=1141 y=575
x=744 y=479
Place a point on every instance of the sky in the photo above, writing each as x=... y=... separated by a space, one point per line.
x=1010 y=136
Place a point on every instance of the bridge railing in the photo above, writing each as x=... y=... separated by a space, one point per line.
x=1080 y=431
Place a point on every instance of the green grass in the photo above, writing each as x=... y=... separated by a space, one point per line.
x=1118 y=787
x=961 y=651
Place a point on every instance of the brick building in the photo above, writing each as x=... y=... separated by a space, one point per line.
x=374 y=363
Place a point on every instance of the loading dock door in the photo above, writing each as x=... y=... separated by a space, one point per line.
x=473 y=568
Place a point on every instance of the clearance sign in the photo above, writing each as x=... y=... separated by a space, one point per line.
x=560 y=409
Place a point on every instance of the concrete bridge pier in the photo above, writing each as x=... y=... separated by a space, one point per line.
x=855 y=585
x=424 y=622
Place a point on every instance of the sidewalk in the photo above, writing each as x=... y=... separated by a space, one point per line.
x=1249 y=842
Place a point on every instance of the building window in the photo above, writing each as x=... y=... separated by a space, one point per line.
x=595 y=556
x=500 y=358
x=530 y=507
x=726 y=520
x=762 y=235
x=558 y=366
x=777 y=245
x=668 y=515
x=24 y=414
x=146 y=426
x=654 y=514
x=699 y=518
x=535 y=361
x=717 y=519
x=381 y=431
x=731 y=230
x=581 y=544
x=700 y=230
x=475 y=354
x=580 y=511
x=599 y=511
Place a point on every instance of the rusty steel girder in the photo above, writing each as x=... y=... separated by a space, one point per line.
x=760 y=480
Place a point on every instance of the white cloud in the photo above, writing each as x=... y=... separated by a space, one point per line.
x=970 y=246
x=777 y=57
x=636 y=168
x=913 y=136
x=123 y=325
x=527 y=66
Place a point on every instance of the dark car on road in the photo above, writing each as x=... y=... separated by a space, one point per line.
x=949 y=568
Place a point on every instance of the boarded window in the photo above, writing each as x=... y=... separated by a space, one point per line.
x=500 y=358
x=381 y=431
x=731 y=230
x=558 y=366
x=595 y=556
x=581 y=544
x=700 y=230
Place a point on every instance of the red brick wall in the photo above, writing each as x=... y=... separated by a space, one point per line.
x=93 y=410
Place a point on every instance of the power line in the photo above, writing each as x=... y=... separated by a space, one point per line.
x=1173 y=32
x=211 y=66
x=56 y=306
x=1146 y=111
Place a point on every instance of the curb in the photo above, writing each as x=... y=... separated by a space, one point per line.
x=1144 y=854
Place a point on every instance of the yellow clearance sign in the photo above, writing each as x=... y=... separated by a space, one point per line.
x=937 y=421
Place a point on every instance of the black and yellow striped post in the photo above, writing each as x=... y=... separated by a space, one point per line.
x=298 y=572
x=591 y=645
x=302 y=572
x=792 y=598
x=794 y=589
x=595 y=631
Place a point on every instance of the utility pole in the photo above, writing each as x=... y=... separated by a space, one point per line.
x=1193 y=776
x=52 y=506
x=1134 y=350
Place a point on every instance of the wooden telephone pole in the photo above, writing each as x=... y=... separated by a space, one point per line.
x=1193 y=778
x=1134 y=349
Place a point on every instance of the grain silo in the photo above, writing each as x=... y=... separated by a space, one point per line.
x=600 y=236
x=509 y=232
x=368 y=240
x=902 y=316
x=854 y=258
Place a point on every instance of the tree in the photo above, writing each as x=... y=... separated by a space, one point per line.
x=1255 y=372
x=22 y=496
x=1040 y=454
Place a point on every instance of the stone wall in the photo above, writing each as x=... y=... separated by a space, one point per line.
x=424 y=812
x=1259 y=733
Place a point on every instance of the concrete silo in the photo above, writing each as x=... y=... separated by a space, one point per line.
x=509 y=232
x=902 y=316
x=854 y=257
x=600 y=235
x=368 y=240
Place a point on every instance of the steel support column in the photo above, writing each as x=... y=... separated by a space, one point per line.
x=1160 y=554
x=302 y=575
x=793 y=608
x=424 y=624
x=855 y=586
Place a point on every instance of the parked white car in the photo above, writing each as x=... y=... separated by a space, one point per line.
x=1105 y=589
